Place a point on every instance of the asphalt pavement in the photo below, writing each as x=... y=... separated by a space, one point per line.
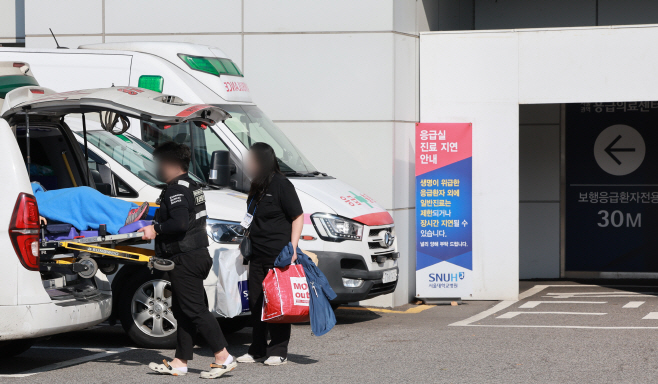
x=559 y=332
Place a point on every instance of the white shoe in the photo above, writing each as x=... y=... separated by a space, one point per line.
x=218 y=370
x=166 y=369
x=275 y=360
x=247 y=358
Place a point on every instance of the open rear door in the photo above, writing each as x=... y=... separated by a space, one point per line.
x=133 y=102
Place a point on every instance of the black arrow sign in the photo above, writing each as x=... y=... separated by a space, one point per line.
x=609 y=150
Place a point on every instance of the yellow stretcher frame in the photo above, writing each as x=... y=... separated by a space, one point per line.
x=111 y=252
x=151 y=261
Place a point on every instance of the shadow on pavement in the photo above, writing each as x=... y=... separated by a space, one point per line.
x=351 y=316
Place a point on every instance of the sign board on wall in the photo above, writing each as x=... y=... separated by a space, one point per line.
x=444 y=249
x=611 y=187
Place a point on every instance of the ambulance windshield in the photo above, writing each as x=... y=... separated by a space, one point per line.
x=250 y=125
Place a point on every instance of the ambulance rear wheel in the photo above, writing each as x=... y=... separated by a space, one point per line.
x=145 y=310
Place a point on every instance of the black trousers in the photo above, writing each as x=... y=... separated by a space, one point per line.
x=279 y=333
x=190 y=304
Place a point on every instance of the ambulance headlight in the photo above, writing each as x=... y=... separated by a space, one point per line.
x=224 y=232
x=335 y=228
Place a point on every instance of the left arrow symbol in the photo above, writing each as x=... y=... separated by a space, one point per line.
x=609 y=150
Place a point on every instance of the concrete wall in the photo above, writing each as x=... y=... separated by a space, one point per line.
x=341 y=73
x=483 y=77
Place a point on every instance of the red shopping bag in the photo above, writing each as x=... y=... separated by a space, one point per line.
x=286 y=296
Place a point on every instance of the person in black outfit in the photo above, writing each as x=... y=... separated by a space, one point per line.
x=277 y=220
x=180 y=235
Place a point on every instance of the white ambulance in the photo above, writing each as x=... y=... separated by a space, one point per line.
x=352 y=235
x=45 y=289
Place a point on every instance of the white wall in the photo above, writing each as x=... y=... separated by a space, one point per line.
x=469 y=79
x=338 y=72
x=482 y=77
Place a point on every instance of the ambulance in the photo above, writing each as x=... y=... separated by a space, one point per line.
x=353 y=236
x=49 y=282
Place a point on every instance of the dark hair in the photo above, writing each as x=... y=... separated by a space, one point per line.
x=172 y=152
x=268 y=165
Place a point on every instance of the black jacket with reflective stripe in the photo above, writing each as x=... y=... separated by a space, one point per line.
x=194 y=236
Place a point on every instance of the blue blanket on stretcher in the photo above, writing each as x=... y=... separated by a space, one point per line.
x=83 y=207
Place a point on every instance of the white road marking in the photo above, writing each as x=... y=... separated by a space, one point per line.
x=104 y=352
x=533 y=304
x=592 y=293
x=634 y=304
x=506 y=303
x=510 y=315
x=567 y=296
x=651 y=316
x=533 y=291
x=496 y=308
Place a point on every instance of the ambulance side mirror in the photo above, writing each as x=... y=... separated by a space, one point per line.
x=220 y=169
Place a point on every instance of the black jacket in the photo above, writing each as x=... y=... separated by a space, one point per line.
x=181 y=218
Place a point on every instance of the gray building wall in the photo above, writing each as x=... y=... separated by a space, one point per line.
x=539 y=191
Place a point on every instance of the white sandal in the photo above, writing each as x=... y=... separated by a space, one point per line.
x=217 y=370
x=166 y=369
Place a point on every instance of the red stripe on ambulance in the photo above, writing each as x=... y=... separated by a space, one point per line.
x=188 y=111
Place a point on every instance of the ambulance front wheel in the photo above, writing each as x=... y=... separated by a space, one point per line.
x=163 y=264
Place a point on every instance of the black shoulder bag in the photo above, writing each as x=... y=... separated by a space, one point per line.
x=246 y=248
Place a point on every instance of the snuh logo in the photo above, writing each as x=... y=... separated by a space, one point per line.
x=446 y=277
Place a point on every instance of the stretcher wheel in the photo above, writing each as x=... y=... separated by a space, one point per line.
x=92 y=267
x=163 y=264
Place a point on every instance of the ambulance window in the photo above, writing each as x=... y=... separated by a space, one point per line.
x=212 y=65
x=128 y=152
x=123 y=189
x=250 y=125
x=204 y=141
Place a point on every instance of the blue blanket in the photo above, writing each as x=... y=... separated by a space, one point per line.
x=83 y=207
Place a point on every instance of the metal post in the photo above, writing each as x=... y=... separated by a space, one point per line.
x=84 y=135
x=192 y=125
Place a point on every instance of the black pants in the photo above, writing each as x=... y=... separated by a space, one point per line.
x=279 y=333
x=190 y=304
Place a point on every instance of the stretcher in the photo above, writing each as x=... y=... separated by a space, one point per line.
x=64 y=248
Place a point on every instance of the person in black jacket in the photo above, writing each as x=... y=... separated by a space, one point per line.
x=180 y=235
x=276 y=219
